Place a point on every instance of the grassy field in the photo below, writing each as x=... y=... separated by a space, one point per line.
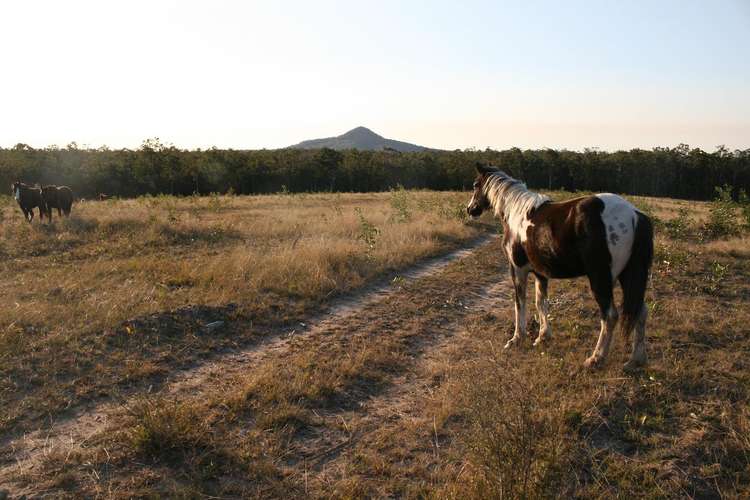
x=116 y=295
x=411 y=395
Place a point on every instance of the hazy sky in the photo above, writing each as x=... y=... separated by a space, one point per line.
x=253 y=74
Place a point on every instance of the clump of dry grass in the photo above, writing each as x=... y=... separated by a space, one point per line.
x=518 y=433
x=166 y=430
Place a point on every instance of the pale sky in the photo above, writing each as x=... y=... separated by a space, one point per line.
x=255 y=74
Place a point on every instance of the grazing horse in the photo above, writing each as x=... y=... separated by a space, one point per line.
x=60 y=198
x=28 y=198
x=103 y=197
x=602 y=237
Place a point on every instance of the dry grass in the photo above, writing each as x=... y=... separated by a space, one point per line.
x=379 y=406
x=98 y=301
x=271 y=421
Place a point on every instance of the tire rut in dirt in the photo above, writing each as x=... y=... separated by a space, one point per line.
x=402 y=401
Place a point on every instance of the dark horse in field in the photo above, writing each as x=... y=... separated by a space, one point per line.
x=602 y=237
x=28 y=199
x=59 y=197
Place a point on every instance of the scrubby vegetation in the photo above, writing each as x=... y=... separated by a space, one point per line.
x=117 y=295
x=413 y=396
x=158 y=168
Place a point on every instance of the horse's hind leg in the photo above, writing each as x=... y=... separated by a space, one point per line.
x=601 y=285
x=638 y=356
x=519 y=276
x=542 y=307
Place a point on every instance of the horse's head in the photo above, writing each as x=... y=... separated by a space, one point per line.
x=16 y=189
x=479 y=202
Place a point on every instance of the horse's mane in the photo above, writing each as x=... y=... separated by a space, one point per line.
x=511 y=199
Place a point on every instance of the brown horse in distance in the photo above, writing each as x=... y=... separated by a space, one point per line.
x=59 y=197
x=29 y=198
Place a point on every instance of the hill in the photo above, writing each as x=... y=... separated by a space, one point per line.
x=360 y=138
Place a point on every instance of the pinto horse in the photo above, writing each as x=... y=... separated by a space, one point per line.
x=602 y=237
x=29 y=198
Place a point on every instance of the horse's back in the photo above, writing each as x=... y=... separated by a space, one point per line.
x=58 y=197
x=570 y=236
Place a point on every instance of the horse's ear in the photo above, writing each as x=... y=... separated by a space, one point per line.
x=483 y=168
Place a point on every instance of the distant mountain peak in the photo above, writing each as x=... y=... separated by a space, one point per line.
x=360 y=138
x=361 y=132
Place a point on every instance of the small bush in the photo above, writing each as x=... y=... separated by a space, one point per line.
x=671 y=259
x=744 y=201
x=714 y=277
x=368 y=232
x=722 y=219
x=401 y=204
x=455 y=211
x=215 y=202
x=679 y=227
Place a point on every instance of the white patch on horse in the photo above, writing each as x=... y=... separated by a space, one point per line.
x=511 y=200
x=619 y=218
x=18 y=194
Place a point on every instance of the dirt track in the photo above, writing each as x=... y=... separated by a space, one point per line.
x=428 y=328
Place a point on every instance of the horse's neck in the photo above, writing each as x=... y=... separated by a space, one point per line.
x=516 y=205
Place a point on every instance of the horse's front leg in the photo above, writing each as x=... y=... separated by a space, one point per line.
x=542 y=307
x=519 y=276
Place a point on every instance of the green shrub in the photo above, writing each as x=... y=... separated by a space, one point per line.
x=744 y=201
x=455 y=211
x=401 y=204
x=679 y=227
x=368 y=232
x=714 y=277
x=722 y=219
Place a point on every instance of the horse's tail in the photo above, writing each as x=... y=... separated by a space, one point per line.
x=634 y=278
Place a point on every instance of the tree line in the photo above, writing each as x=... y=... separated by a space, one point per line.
x=157 y=168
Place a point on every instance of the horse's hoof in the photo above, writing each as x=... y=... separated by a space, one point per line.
x=592 y=362
x=511 y=343
x=541 y=339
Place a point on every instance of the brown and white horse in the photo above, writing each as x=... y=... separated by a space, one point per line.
x=28 y=198
x=602 y=237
